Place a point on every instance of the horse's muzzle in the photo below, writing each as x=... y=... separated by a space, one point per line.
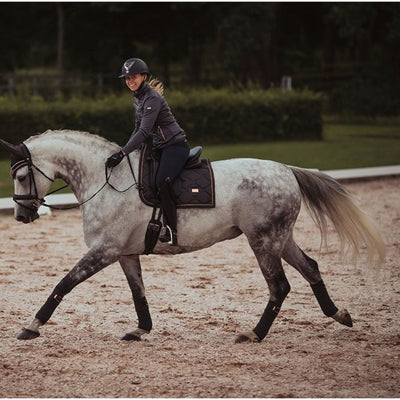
x=26 y=215
x=25 y=219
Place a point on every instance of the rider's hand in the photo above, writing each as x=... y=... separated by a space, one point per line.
x=115 y=159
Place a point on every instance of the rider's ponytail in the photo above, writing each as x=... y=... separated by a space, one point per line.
x=156 y=85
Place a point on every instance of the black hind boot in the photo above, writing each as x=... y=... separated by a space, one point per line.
x=169 y=213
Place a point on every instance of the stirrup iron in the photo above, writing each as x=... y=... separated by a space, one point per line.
x=169 y=236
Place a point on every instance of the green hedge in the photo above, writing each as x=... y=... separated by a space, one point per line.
x=367 y=97
x=207 y=116
x=111 y=117
x=223 y=116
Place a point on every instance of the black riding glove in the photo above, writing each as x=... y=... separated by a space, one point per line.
x=115 y=159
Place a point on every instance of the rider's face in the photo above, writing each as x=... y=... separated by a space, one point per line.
x=134 y=81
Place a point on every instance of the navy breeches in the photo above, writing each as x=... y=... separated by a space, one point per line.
x=173 y=158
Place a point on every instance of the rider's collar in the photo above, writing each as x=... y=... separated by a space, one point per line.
x=142 y=88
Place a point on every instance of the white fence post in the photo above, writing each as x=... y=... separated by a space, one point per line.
x=286 y=82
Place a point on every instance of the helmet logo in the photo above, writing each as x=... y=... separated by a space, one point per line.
x=128 y=65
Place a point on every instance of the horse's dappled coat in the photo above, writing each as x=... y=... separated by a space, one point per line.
x=258 y=198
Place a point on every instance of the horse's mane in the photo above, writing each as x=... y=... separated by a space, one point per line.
x=71 y=134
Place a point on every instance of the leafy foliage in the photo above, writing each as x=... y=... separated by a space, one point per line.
x=212 y=116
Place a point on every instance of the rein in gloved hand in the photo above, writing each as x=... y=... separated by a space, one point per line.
x=115 y=159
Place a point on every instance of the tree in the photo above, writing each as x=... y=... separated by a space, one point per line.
x=60 y=38
x=246 y=37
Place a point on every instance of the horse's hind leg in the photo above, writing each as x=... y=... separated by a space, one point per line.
x=133 y=272
x=293 y=255
x=271 y=267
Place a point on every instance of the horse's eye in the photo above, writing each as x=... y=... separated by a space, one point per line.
x=21 y=178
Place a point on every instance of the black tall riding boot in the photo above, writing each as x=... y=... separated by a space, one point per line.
x=168 y=206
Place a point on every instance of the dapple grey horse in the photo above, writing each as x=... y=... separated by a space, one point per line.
x=258 y=198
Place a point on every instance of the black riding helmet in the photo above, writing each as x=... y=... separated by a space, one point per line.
x=134 y=66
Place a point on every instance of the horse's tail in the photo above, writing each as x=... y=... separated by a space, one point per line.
x=326 y=198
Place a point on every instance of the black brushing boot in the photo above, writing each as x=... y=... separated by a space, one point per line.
x=169 y=213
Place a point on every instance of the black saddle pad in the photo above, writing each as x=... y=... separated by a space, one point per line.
x=193 y=187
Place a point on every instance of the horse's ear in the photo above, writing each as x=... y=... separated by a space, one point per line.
x=12 y=148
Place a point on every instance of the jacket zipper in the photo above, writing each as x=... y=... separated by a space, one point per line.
x=161 y=131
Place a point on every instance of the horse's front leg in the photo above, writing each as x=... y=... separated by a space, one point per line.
x=133 y=272
x=94 y=261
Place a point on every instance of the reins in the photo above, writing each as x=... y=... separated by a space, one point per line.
x=28 y=162
x=76 y=205
x=135 y=184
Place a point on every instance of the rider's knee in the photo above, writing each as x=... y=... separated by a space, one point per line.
x=163 y=183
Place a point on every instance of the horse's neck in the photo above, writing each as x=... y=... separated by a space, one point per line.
x=77 y=159
x=80 y=169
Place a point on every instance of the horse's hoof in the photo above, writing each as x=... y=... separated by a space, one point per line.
x=130 y=337
x=136 y=335
x=249 y=336
x=27 y=334
x=343 y=317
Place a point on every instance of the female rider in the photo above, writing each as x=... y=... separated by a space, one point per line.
x=153 y=118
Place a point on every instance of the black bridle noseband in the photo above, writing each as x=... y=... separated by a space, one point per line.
x=26 y=161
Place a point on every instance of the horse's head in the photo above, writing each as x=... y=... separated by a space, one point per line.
x=30 y=182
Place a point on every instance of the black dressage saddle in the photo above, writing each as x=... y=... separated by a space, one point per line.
x=194 y=187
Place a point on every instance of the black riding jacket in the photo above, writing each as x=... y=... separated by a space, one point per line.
x=153 y=117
